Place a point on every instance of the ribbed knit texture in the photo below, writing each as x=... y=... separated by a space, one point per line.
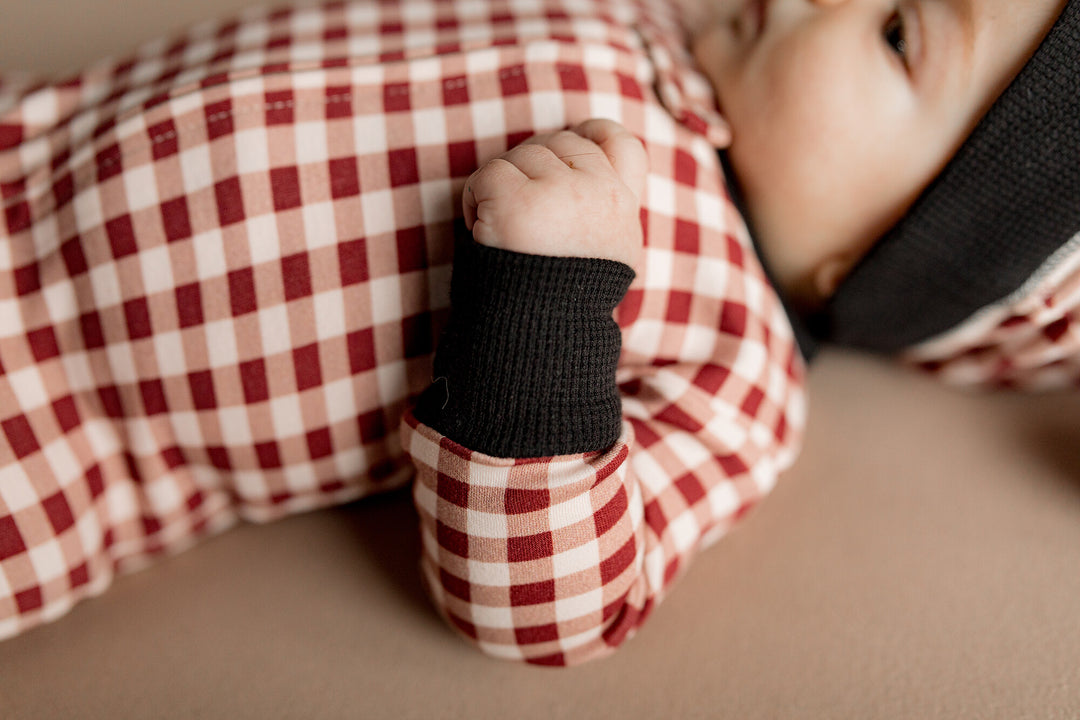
x=526 y=366
x=1001 y=207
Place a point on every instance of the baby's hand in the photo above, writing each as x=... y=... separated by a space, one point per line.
x=574 y=193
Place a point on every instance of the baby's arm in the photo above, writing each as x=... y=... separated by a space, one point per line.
x=527 y=364
x=555 y=509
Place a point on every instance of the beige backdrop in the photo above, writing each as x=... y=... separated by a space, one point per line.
x=921 y=561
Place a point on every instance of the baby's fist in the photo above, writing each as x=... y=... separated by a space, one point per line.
x=574 y=193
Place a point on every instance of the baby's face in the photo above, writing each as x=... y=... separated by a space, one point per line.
x=842 y=111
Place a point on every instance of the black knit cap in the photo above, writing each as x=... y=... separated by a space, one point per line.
x=1006 y=202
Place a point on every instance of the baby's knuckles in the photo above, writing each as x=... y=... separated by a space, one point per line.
x=583 y=213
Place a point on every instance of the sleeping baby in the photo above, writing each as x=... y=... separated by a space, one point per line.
x=558 y=266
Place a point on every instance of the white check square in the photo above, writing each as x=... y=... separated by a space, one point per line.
x=287 y=415
x=157 y=275
x=221 y=343
x=386 y=303
x=429 y=126
x=377 y=207
x=140 y=187
x=195 y=168
x=583 y=557
x=163 y=495
x=274 y=329
x=489 y=573
x=88 y=211
x=209 y=254
x=264 y=244
x=320 y=224
x=16 y=490
x=235 y=425
x=28 y=387
x=48 y=561
x=186 y=428
x=252 y=150
x=579 y=605
x=330 y=318
x=61 y=301
x=311 y=146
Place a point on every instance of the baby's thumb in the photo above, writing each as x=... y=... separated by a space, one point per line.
x=625 y=152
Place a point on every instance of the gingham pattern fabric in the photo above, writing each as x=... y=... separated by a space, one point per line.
x=1029 y=341
x=224 y=264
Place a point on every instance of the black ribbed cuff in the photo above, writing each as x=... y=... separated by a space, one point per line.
x=526 y=366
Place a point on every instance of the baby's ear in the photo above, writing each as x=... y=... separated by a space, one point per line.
x=831 y=271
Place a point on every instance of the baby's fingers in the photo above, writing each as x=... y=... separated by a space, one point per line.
x=485 y=184
x=623 y=149
x=571 y=150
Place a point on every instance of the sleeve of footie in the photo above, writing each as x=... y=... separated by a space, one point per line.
x=526 y=366
x=551 y=521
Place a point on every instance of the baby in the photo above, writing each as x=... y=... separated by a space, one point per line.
x=226 y=266
x=841 y=114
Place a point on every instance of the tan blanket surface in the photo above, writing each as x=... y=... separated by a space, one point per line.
x=921 y=561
